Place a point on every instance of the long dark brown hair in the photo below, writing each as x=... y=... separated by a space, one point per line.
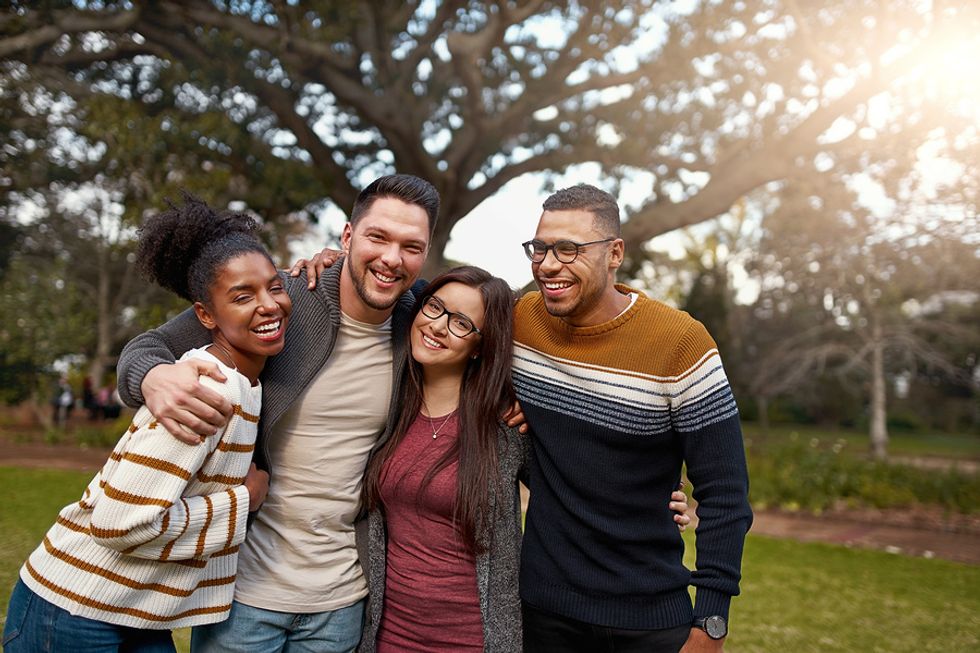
x=485 y=394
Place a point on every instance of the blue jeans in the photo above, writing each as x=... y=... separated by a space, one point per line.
x=254 y=630
x=37 y=626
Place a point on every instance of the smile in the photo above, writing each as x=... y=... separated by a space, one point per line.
x=556 y=285
x=433 y=344
x=383 y=278
x=269 y=330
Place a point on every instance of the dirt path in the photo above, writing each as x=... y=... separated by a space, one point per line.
x=916 y=533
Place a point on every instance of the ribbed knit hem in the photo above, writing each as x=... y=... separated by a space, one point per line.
x=709 y=603
x=665 y=610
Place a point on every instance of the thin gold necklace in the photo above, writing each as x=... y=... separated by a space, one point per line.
x=432 y=423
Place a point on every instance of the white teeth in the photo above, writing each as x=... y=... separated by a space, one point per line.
x=432 y=343
x=268 y=328
x=557 y=285
x=384 y=278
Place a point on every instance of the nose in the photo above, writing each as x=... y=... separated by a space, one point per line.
x=550 y=262
x=267 y=303
x=392 y=256
x=441 y=324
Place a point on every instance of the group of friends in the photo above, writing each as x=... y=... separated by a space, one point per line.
x=328 y=459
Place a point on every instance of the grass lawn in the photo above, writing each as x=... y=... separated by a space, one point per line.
x=797 y=598
x=956 y=446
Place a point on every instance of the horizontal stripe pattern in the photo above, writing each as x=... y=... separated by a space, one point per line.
x=629 y=401
x=154 y=541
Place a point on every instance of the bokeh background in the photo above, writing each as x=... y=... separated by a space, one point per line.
x=800 y=175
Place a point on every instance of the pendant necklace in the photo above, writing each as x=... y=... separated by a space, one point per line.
x=432 y=423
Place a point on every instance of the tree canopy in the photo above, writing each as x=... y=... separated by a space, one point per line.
x=288 y=105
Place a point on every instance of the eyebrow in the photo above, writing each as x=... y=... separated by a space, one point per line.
x=246 y=286
x=461 y=314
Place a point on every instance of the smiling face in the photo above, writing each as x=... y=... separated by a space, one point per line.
x=582 y=292
x=434 y=346
x=385 y=252
x=247 y=311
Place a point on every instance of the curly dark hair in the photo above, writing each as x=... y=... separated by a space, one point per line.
x=184 y=247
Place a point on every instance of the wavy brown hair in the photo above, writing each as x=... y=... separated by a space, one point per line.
x=486 y=392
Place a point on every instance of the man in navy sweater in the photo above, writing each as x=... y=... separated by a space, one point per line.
x=620 y=391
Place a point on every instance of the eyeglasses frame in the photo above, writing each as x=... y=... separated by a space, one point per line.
x=446 y=311
x=554 y=252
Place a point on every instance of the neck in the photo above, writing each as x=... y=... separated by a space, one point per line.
x=440 y=391
x=352 y=304
x=248 y=364
x=610 y=305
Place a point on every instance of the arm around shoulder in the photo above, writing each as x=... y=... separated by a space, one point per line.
x=165 y=344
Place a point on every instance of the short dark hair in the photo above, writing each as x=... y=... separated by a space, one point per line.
x=184 y=247
x=407 y=188
x=584 y=197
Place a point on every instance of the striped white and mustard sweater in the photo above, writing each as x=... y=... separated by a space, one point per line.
x=153 y=542
x=615 y=410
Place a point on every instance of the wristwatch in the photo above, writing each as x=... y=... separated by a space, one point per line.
x=715 y=626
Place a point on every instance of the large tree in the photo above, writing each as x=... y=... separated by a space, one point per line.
x=303 y=101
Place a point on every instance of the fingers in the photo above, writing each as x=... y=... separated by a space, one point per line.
x=682 y=521
x=210 y=369
x=297 y=267
x=677 y=495
x=183 y=434
x=313 y=269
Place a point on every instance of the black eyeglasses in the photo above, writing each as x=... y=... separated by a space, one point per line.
x=566 y=251
x=459 y=325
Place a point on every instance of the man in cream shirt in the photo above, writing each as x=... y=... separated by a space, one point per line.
x=325 y=400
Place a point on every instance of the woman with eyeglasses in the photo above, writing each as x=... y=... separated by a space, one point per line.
x=444 y=521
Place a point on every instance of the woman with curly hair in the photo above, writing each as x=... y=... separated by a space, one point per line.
x=153 y=542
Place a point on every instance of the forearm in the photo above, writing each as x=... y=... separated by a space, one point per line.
x=716 y=466
x=162 y=345
x=141 y=509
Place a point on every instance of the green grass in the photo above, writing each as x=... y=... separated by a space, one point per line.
x=797 y=598
x=956 y=446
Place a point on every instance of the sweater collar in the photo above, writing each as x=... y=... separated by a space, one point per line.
x=597 y=329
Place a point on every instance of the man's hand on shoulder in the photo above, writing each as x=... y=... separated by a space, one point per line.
x=699 y=642
x=315 y=266
x=178 y=401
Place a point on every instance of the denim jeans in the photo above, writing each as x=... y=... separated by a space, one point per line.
x=37 y=626
x=545 y=632
x=266 y=631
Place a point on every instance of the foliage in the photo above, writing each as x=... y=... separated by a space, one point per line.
x=701 y=101
x=808 y=475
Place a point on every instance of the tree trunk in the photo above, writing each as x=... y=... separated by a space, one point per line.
x=103 y=329
x=879 y=426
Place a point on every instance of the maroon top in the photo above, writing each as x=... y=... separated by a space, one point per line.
x=431 y=601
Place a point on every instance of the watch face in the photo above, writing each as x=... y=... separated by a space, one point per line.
x=715 y=627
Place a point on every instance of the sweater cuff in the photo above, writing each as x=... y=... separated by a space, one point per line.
x=708 y=603
x=130 y=387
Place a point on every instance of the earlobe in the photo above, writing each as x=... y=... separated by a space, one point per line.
x=203 y=316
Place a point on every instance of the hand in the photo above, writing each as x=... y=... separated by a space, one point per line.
x=515 y=417
x=315 y=266
x=257 y=484
x=699 y=642
x=187 y=409
x=678 y=503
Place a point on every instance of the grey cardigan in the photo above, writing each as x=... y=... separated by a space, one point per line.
x=496 y=569
x=310 y=338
